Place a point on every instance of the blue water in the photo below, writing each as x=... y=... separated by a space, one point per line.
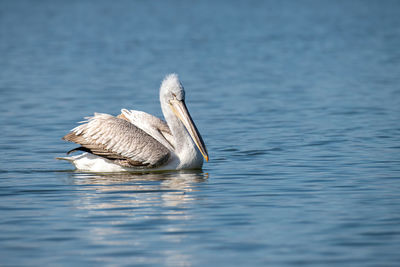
x=298 y=103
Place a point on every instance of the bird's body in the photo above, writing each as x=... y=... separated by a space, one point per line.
x=138 y=141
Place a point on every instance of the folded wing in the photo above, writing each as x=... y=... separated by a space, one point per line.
x=120 y=141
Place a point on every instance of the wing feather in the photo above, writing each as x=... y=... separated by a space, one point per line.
x=118 y=139
x=152 y=125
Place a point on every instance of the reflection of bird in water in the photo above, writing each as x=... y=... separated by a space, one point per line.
x=170 y=186
x=138 y=141
x=174 y=179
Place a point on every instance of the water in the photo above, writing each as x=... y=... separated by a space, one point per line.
x=298 y=103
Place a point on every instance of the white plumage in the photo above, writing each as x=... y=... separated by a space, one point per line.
x=138 y=141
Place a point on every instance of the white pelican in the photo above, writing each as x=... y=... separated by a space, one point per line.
x=138 y=141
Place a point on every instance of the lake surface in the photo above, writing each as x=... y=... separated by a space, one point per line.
x=298 y=103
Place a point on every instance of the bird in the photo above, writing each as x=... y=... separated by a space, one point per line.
x=137 y=141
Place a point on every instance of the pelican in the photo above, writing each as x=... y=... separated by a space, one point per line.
x=138 y=141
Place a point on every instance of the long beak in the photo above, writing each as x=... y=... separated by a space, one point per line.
x=180 y=110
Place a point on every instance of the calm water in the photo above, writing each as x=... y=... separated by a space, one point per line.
x=297 y=101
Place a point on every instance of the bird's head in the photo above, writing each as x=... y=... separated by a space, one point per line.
x=171 y=88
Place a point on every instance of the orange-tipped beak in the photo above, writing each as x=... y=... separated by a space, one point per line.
x=180 y=110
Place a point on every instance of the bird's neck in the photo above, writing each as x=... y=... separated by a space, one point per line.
x=181 y=137
x=183 y=143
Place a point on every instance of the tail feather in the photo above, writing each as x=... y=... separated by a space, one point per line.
x=69 y=159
